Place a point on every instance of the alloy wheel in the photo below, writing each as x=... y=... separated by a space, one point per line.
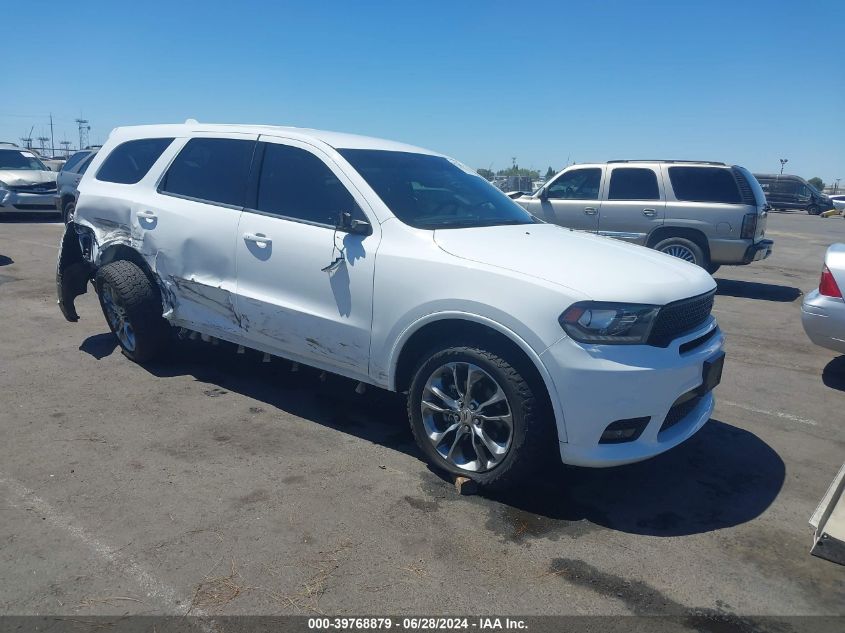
x=681 y=252
x=467 y=417
x=118 y=319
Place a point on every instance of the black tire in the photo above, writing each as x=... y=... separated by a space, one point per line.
x=713 y=268
x=67 y=211
x=137 y=297
x=533 y=428
x=679 y=244
x=814 y=209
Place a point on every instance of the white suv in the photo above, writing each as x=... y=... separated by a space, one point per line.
x=400 y=268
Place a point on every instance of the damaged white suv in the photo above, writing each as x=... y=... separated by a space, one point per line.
x=400 y=268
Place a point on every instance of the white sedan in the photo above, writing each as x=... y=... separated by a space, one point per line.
x=823 y=311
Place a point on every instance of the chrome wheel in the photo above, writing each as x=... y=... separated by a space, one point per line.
x=467 y=417
x=681 y=252
x=116 y=316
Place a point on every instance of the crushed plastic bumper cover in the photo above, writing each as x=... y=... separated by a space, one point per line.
x=72 y=273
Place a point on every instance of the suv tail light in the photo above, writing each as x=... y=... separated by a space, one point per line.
x=749 y=226
x=827 y=285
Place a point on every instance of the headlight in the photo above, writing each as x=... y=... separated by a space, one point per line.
x=3 y=185
x=614 y=323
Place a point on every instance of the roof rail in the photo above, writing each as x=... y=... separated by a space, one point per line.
x=663 y=160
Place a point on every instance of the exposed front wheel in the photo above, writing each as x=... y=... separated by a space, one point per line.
x=132 y=309
x=473 y=413
x=684 y=249
x=814 y=209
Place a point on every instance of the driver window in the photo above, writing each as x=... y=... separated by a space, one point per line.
x=577 y=184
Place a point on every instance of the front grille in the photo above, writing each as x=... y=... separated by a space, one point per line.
x=41 y=187
x=679 y=411
x=675 y=319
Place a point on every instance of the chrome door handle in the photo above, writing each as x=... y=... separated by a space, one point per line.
x=590 y=210
x=258 y=238
x=649 y=212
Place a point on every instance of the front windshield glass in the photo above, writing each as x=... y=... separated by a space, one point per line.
x=17 y=159
x=431 y=192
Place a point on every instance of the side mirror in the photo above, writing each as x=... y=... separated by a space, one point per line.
x=543 y=194
x=348 y=224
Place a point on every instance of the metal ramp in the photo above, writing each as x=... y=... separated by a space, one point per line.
x=829 y=522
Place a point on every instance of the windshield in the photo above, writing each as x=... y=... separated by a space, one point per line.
x=431 y=192
x=17 y=159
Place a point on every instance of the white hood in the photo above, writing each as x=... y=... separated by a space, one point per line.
x=18 y=177
x=601 y=268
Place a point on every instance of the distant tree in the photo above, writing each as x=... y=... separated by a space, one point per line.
x=817 y=182
x=550 y=173
x=486 y=173
x=516 y=170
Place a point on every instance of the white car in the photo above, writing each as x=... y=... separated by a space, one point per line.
x=26 y=184
x=823 y=310
x=401 y=268
x=838 y=203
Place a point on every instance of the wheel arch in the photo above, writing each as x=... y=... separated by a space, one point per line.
x=423 y=334
x=122 y=251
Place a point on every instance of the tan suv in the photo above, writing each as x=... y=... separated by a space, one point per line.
x=707 y=213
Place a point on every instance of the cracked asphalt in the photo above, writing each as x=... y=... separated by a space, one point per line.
x=220 y=484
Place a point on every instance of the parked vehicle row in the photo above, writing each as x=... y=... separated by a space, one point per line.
x=401 y=268
x=709 y=214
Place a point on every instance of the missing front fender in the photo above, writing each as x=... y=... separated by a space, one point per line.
x=72 y=273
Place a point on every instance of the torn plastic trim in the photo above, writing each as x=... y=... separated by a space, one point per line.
x=73 y=270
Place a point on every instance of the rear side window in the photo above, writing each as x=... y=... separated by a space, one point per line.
x=74 y=160
x=296 y=184
x=704 y=184
x=129 y=162
x=211 y=169
x=84 y=166
x=633 y=183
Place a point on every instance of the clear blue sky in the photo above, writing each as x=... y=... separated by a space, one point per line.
x=742 y=82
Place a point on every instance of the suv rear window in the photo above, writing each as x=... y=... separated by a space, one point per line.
x=211 y=169
x=129 y=162
x=704 y=184
x=633 y=183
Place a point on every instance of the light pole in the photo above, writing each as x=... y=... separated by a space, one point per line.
x=783 y=161
x=836 y=185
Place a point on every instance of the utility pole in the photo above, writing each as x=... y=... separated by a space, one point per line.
x=83 y=126
x=836 y=185
x=52 y=139
x=43 y=140
x=66 y=146
x=783 y=161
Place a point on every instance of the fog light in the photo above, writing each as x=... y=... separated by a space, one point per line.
x=623 y=430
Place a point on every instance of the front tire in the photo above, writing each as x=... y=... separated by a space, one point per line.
x=132 y=306
x=814 y=209
x=684 y=249
x=476 y=412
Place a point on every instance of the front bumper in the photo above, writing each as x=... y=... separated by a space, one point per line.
x=823 y=319
x=24 y=202
x=600 y=384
